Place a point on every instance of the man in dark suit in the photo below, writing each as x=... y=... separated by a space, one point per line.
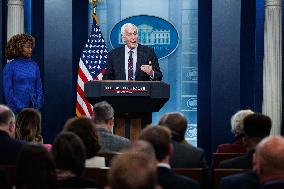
x=160 y=138
x=184 y=155
x=132 y=61
x=9 y=147
x=269 y=162
x=256 y=127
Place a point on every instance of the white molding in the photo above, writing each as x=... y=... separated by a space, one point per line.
x=273 y=3
x=15 y=17
x=272 y=64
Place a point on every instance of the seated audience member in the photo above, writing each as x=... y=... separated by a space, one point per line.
x=9 y=147
x=28 y=127
x=256 y=127
x=132 y=170
x=84 y=127
x=268 y=172
x=69 y=155
x=237 y=129
x=160 y=138
x=104 y=122
x=184 y=154
x=269 y=162
x=35 y=168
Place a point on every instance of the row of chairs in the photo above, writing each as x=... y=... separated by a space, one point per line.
x=199 y=174
x=100 y=174
x=216 y=157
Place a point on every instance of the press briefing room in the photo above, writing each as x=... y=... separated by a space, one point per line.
x=141 y=94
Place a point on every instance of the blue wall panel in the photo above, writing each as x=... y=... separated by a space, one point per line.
x=1 y=49
x=247 y=58
x=204 y=75
x=259 y=50
x=28 y=16
x=3 y=39
x=37 y=21
x=57 y=64
x=65 y=27
x=230 y=73
x=225 y=68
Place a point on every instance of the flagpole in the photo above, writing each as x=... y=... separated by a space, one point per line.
x=95 y=17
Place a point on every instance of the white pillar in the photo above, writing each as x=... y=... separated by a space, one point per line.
x=15 y=20
x=272 y=64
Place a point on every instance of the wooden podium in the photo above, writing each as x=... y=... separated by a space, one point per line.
x=133 y=102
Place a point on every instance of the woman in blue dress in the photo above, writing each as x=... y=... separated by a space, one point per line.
x=21 y=76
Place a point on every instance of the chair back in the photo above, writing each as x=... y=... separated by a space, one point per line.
x=201 y=175
x=218 y=157
x=97 y=173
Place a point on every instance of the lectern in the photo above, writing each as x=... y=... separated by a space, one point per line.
x=133 y=102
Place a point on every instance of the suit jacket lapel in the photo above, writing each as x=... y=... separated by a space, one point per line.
x=139 y=60
x=122 y=66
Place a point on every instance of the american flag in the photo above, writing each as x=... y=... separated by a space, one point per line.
x=91 y=67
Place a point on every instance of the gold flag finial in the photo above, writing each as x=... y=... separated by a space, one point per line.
x=95 y=17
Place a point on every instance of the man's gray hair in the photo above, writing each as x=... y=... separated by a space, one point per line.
x=127 y=25
x=103 y=112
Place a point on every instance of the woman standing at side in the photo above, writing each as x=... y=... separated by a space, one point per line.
x=21 y=76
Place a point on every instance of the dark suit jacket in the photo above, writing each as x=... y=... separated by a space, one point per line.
x=248 y=180
x=242 y=162
x=273 y=184
x=115 y=67
x=187 y=156
x=9 y=149
x=169 y=180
